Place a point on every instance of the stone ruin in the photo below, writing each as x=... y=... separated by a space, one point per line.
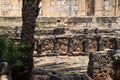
x=102 y=47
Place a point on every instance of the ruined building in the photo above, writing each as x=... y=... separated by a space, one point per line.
x=101 y=45
x=67 y=11
x=63 y=8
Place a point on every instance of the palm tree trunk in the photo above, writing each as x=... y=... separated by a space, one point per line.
x=30 y=12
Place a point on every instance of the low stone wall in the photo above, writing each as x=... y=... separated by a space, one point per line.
x=76 y=43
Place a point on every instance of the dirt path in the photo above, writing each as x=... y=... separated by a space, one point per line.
x=60 y=66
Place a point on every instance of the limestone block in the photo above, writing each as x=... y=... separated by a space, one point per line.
x=75 y=7
x=14 y=1
x=13 y=13
x=0 y=7
x=15 y=6
x=0 y=2
x=5 y=77
x=4 y=7
x=63 y=14
x=0 y=12
x=4 y=1
x=9 y=7
x=98 y=13
x=107 y=5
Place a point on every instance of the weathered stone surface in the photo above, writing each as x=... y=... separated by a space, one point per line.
x=80 y=20
x=4 y=68
x=106 y=19
x=5 y=73
x=58 y=31
x=98 y=66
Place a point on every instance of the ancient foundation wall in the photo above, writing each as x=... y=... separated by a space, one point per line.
x=71 y=23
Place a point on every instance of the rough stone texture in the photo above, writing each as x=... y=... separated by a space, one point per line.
x=57 y=31
x=98 y=66
x=69 y=12
x=79 y=43
x=104 y=65
x=5 y=71
x=12 y=31
x=106 y=19
x=10 y=8
x=65 y=8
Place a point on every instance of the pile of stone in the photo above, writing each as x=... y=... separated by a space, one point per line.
x=104 y=65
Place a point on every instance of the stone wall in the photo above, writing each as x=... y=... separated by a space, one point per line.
x=68 y=8
x=64 y=8
x=10 y=8
x=69 y=12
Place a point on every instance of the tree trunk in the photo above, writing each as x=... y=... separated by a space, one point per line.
x=30 y=12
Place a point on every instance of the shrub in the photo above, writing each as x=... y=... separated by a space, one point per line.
x=9 y=51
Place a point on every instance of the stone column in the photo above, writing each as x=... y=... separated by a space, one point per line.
x=82 y=6
x=55 y=42
x=86 y=31
x=96 y=31
x=85 y=44
x=70 y=45
x=99 y=68
x=98 y=7
x=46 y=7
x=99 y=44
x=39 y=47
x=117 y=43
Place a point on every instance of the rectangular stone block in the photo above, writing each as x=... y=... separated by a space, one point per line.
x=13 y=13
x=15 y=6
x=9 y=7
x=4 y=7
x=14 y=1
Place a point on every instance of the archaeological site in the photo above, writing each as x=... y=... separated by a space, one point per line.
x=59 y=39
